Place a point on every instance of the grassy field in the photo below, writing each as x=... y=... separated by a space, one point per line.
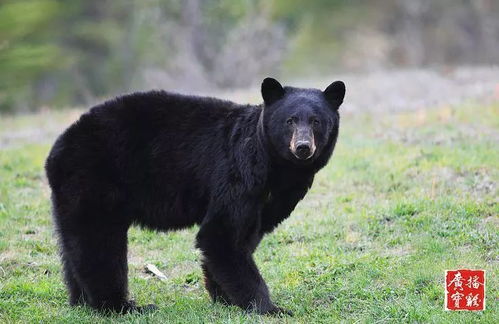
x=405 y=197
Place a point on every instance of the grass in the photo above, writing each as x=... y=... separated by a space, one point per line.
x=405 y=197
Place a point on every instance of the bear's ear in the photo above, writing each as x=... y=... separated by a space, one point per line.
x=335 y=93
x=272 y=91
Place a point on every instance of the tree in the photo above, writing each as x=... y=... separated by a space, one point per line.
x=25 y=54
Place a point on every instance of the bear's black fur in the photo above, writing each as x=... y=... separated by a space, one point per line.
x=167 y=161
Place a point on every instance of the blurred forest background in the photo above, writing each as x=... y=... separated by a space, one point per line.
x=56 y=53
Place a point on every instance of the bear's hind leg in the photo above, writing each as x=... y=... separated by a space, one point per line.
x=99 y=262
x=76 y=293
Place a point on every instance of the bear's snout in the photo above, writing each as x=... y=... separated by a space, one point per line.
x=303 y=149
x=302 y=144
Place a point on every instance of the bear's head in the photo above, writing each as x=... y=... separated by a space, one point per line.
x=301 y=125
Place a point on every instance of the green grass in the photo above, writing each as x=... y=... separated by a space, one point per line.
x=405 y=197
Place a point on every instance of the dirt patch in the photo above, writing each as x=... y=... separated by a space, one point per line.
x=478 y=183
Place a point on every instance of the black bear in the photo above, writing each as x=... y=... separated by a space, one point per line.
x=168 y=161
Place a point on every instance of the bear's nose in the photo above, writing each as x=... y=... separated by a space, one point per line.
x=303 y=149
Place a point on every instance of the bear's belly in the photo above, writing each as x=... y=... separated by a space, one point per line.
x=171 y=212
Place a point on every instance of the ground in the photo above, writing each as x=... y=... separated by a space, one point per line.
x=406 y=196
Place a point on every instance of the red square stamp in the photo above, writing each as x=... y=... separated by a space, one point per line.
x=465 y=290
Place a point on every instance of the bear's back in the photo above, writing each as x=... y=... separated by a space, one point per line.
x=122 y=135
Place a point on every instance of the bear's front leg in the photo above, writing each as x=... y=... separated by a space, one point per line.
x=216 y=292
x=229 y=264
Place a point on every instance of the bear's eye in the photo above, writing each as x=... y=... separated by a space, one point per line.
x=289 y=121
x=316 y=122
